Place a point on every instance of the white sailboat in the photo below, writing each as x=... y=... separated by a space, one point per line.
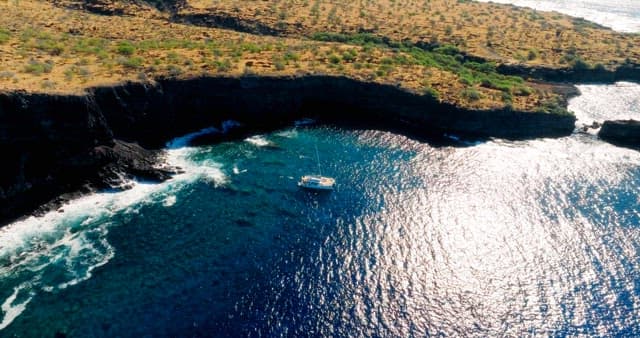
x=317 y=182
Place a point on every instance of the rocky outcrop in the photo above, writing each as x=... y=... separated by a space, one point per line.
x=621 y=133
x=54 y=144
x=626 y=72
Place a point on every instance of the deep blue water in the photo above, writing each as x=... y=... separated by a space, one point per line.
x=495 y=238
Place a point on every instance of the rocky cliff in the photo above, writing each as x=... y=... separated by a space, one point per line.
x=625 y=72
x=55 y=144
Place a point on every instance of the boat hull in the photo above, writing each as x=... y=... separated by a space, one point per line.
x=316 y=182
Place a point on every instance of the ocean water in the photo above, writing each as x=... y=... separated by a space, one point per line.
x=619 y=15
x=495 y=238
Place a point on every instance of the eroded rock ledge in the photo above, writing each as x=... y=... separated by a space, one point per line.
x=54 y=144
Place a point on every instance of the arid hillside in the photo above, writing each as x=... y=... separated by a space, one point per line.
x=496 y=32
x=446 y=49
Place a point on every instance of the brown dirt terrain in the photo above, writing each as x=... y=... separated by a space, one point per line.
x=502 y=33
x=61 y=47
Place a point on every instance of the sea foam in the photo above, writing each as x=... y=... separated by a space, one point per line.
x=63 y=247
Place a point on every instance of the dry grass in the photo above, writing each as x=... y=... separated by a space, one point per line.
x=46 y=48
x=502 y=33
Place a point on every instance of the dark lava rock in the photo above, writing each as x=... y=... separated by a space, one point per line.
x=621 y=133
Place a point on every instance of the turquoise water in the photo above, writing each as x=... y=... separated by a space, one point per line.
x=473 y=238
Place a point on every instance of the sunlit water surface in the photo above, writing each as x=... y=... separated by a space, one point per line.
x=620 y=15
x=495 y=238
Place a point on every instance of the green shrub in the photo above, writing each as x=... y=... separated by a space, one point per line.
x=132 y=62
x=223 y=65
x=349 y=55
x=279 y=63
x=471 y=94
x=553 y=107
x=90 y=46
x=48 y=44
x=580 y=64
x=523 y=91
x=5 y=34
x=174 y=70
x=125 y=48
x=355 y=39
x=448 y=49
x=507 y=98
x=334 y=59
x=291 y=56
x=37 y=67
x=251 y=48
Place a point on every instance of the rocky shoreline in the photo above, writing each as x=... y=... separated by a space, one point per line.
x=57 y=146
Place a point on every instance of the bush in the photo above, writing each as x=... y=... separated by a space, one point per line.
x=125 y=48
x=291 y=56
x=4 y=35
x=355 y=39
x=37 y=68
x=471 y=94
x=279 y=63
x=5 y=75
x=448 y=49
x=90 y=46
x=600 y=67
x=174 y=70
x=523 y=91
x=48 y=44
x=334 y=59
x=48 y=84
x=132 y=63
x=579 y=64
x=349 y=55
x=223 y=66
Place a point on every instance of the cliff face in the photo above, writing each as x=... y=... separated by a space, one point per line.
x=53 y=145
x=622 y=133
x=151 y=115
x=59 y=144
x=628 y=72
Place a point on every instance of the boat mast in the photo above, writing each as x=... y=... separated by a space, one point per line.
x=318 y=159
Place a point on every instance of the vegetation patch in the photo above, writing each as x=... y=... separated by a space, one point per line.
x=5 y=35
x=37 y=67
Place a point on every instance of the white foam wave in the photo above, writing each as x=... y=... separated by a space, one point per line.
x=258 y=141
x=237 y=171
x=169 y=201
x=619 y=101
x=61 y=249
x=291 y=133
x=12 y=311
x=619 y=15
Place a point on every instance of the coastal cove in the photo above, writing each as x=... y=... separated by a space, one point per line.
x=62 y=144
x=484 y=159
x=411 y=235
